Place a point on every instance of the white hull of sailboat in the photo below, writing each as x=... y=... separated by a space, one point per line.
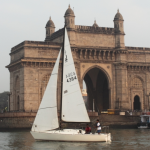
x=70 y=136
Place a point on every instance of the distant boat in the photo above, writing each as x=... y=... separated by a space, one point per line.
x=46 y=125
x=145 y=121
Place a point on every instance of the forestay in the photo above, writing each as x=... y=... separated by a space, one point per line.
x=46 y=118
x=73 y=107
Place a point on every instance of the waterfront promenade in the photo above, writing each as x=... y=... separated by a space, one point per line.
x=25 y=119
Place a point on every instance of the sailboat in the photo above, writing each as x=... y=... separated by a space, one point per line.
x=46 y=125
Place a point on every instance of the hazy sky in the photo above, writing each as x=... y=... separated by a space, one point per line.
x=26 y=19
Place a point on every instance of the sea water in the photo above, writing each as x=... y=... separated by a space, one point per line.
x=122 y=139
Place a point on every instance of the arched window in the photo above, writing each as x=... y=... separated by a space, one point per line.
x=136 y=103
x=137 y=83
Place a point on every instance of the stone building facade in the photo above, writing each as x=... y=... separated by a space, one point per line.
x=116 y=76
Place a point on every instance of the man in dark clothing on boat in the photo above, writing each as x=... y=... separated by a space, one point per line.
x=87 y=129
x=98 y=126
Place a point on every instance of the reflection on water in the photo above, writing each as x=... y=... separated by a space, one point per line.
x=124 y=139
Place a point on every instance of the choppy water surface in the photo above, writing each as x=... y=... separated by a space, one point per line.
x=122 y=139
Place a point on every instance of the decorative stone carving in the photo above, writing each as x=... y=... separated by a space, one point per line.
x=90 y=54
x=137 y=83
x=108 y=56
x=80 y=54
x=121 y=66
x=136 y=58
x=85 y=54
x=104 y=54
x=94 y=55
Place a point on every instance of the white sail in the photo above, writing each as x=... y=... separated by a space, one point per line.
x=73 y=107
x=47 y=118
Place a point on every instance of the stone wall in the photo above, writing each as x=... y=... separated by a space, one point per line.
x=17 y=120
x=25 y=120
x=34 y=69
x=89 y=39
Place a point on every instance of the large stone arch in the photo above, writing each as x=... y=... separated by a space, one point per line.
x=97 y=91
x=99 y=67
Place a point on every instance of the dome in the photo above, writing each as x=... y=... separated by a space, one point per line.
x=50 y=23
x=95 y=24
x=118 y=16
x=69 y=12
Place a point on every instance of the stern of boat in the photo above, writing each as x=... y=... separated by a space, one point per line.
x=108 y=137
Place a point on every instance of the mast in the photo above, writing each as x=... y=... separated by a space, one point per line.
x=62 y=77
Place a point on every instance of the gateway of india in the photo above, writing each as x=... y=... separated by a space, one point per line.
x=116 y=76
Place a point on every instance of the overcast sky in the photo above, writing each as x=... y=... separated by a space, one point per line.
x=26 y=19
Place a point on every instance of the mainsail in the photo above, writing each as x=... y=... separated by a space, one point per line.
x=73 y=106
x=46 y=118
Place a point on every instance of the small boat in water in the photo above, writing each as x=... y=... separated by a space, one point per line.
x=145 y=121
x=46 y=125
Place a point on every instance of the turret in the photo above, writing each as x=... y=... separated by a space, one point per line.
x=119 y=30
x=69 y=18
x=50 y=28
x=118 y=23
x=95 y=24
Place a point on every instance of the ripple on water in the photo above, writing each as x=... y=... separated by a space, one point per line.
x=124 y=139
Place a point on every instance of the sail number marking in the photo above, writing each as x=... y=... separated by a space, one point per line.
x=71 y=77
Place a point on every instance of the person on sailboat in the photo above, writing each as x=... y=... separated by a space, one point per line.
x=87 y=129
x=98 y=126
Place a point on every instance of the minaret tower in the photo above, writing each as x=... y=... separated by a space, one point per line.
x=119 y=30
x=70 y=25
x=50 y=28
x=69 y=18
x=95 y=24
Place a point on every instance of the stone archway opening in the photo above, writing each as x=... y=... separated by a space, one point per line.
x=97 y=87
x=137 y=103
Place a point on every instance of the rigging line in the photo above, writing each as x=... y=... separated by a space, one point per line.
x=47 y=107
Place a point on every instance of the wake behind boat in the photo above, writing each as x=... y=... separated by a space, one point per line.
x=46 y=124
